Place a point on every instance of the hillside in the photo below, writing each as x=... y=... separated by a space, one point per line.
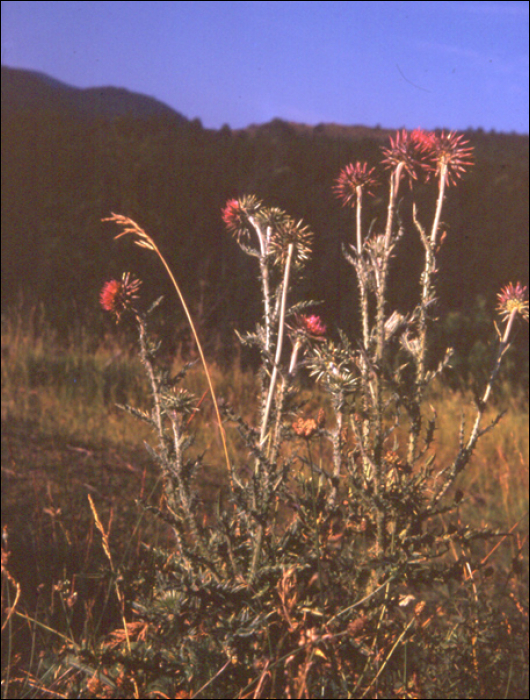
x=23 y=90
x=70 y=157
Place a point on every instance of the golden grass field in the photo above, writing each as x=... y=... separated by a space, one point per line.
x=63 y=439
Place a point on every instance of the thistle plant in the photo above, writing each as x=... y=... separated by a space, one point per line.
x=316 y=573
x=283 y=244
x=409 y=158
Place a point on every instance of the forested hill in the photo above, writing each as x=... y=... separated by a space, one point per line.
x=70 y=157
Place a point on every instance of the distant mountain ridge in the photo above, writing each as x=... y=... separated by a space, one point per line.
x=26 y=89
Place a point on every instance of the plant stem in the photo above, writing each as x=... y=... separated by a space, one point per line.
x=503 y=346
x=279 y=344
x=265 y=419
x=362 y=281
x=264 y=270
x=315 y=525
x=381 y=289
x=430 y=265
x=466 y=451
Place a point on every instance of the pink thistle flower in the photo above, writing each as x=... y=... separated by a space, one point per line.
x=233 y=215
x=310 y=325
x=351 y=178
x=513 y=299
x=304 y=329
x=410 y=151
x=118 y=296
x=236 y=214
x=449 y=151
x=421 y=141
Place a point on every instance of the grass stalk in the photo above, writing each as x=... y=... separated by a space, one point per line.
x=143 y=240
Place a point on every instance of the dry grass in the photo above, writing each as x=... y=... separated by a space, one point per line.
x=69 y=391
x=64 y=438
x=66 y=394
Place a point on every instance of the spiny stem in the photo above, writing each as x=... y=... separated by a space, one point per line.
x=466 y=451
x=359 y=193
x=152 y=379
x=503 y=345
x=430 y=264
x=360 y=266
x=381 y=290
x=362 y=282
x=439 y=203
x=264 y=270
x=279 y=344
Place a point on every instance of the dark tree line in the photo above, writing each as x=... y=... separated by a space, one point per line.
x=61 y=175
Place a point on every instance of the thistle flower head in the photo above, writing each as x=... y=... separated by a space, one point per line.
x=449 y=151
x=284 y=232
x=117 y=296
x=302 y=332
x=309 y=326
x=335 y=366
x=236 y=214
x=409 y=150
x=351 y=178
x=513 y=299
x=272 y=217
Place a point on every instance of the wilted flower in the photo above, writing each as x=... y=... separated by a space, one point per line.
x=449 y=151
x=117 y=296
x=513 y=299
x=352 y=177
x=409 y=150
x=305 y=428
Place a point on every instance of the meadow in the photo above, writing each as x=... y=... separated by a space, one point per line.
x=63 y=438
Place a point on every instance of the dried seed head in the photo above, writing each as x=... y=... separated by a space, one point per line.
x=287 y=231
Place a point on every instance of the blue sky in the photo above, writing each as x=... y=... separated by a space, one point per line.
x=396 y=64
